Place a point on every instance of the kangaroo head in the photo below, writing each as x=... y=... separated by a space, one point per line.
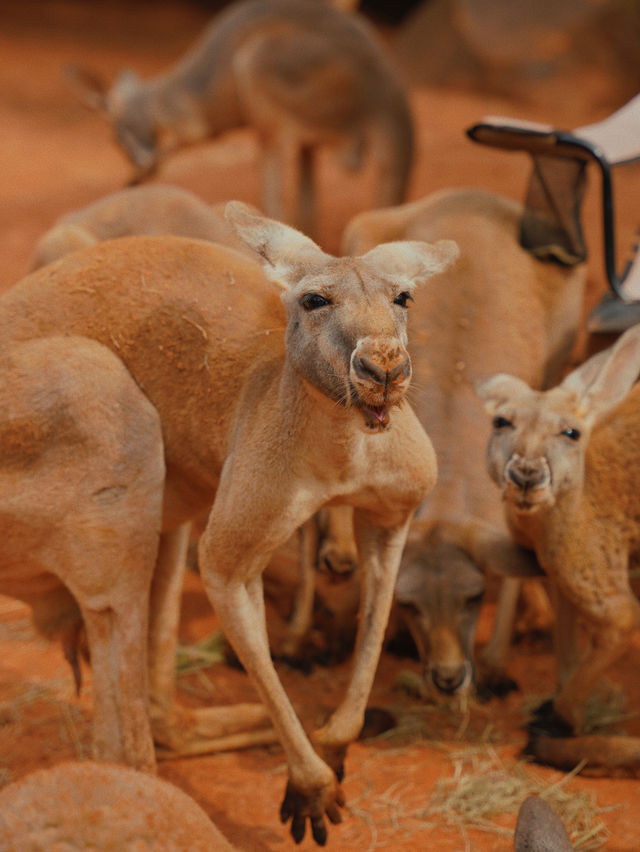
x=537 y=448
x=346 y=317
x=126 y=106
x=130 y=112
x=439 y=592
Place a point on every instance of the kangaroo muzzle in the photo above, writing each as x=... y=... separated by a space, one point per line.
x=380 y=373
x=527 y=480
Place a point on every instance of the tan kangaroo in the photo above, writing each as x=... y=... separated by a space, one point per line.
x=438 y=595
x=153 y=209
x=300 y=72
x=497 y=305
x=567 y=465
x=326 y=540
x=273 y=399
x=86 y=805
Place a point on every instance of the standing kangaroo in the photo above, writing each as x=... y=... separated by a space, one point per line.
x=300 y=72
x=567 y=464
x=266 y=411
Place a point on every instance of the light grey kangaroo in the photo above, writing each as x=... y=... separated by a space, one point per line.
x=301 y=73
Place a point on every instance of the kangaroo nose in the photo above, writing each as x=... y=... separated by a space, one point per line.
x=368 y=371
x=525 y=474
x=448 y=680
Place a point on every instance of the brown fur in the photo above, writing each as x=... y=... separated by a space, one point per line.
x=268 y=410
x=497 y=306
x=148 y=209
x=80 y=806
x=572 y=496
x=301 y=73
x=164 y=209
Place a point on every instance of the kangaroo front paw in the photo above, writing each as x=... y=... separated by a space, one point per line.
x=299 y=806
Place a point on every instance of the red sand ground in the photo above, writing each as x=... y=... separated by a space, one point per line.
x=55 y=156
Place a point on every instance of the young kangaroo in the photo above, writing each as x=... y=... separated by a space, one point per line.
x=301 y=73
x=269 y=408
x=567 y=464
x=497 y=308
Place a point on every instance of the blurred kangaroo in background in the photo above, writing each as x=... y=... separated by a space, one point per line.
x=302 y=73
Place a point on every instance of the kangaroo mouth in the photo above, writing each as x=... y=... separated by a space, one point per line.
x=529 y=499
x=376 y=417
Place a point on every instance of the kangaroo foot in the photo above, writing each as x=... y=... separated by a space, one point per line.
x=212 y=729
x=613 y=753
x=298 y=806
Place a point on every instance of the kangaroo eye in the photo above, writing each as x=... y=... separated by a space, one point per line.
x=572 y=433
x=402 y=299
x=313 y=301
x=475 y=600
x=501 y=423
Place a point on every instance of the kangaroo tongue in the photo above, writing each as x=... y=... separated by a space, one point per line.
x=376 y=416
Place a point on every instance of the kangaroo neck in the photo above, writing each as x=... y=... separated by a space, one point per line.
x=545 y=528
x=183 y=103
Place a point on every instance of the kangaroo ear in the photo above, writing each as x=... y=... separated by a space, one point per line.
x=286 y=254
x=88 y=87
x=125 y=86
x=499 y=389
x=605 y=379
x=410 y=262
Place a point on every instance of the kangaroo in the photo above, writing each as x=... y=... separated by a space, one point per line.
x=438 y=595
x=146 y=209
x=269 y=408
x=302 y=74
x=497 y=305
x=88 y=805
x=326 y=541
x=566 y=463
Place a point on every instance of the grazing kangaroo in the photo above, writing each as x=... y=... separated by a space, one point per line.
x=273 y=399
x=301 y=73
x=438 y=595
x=497 y=305
x=567 y=464
x=86 y=805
